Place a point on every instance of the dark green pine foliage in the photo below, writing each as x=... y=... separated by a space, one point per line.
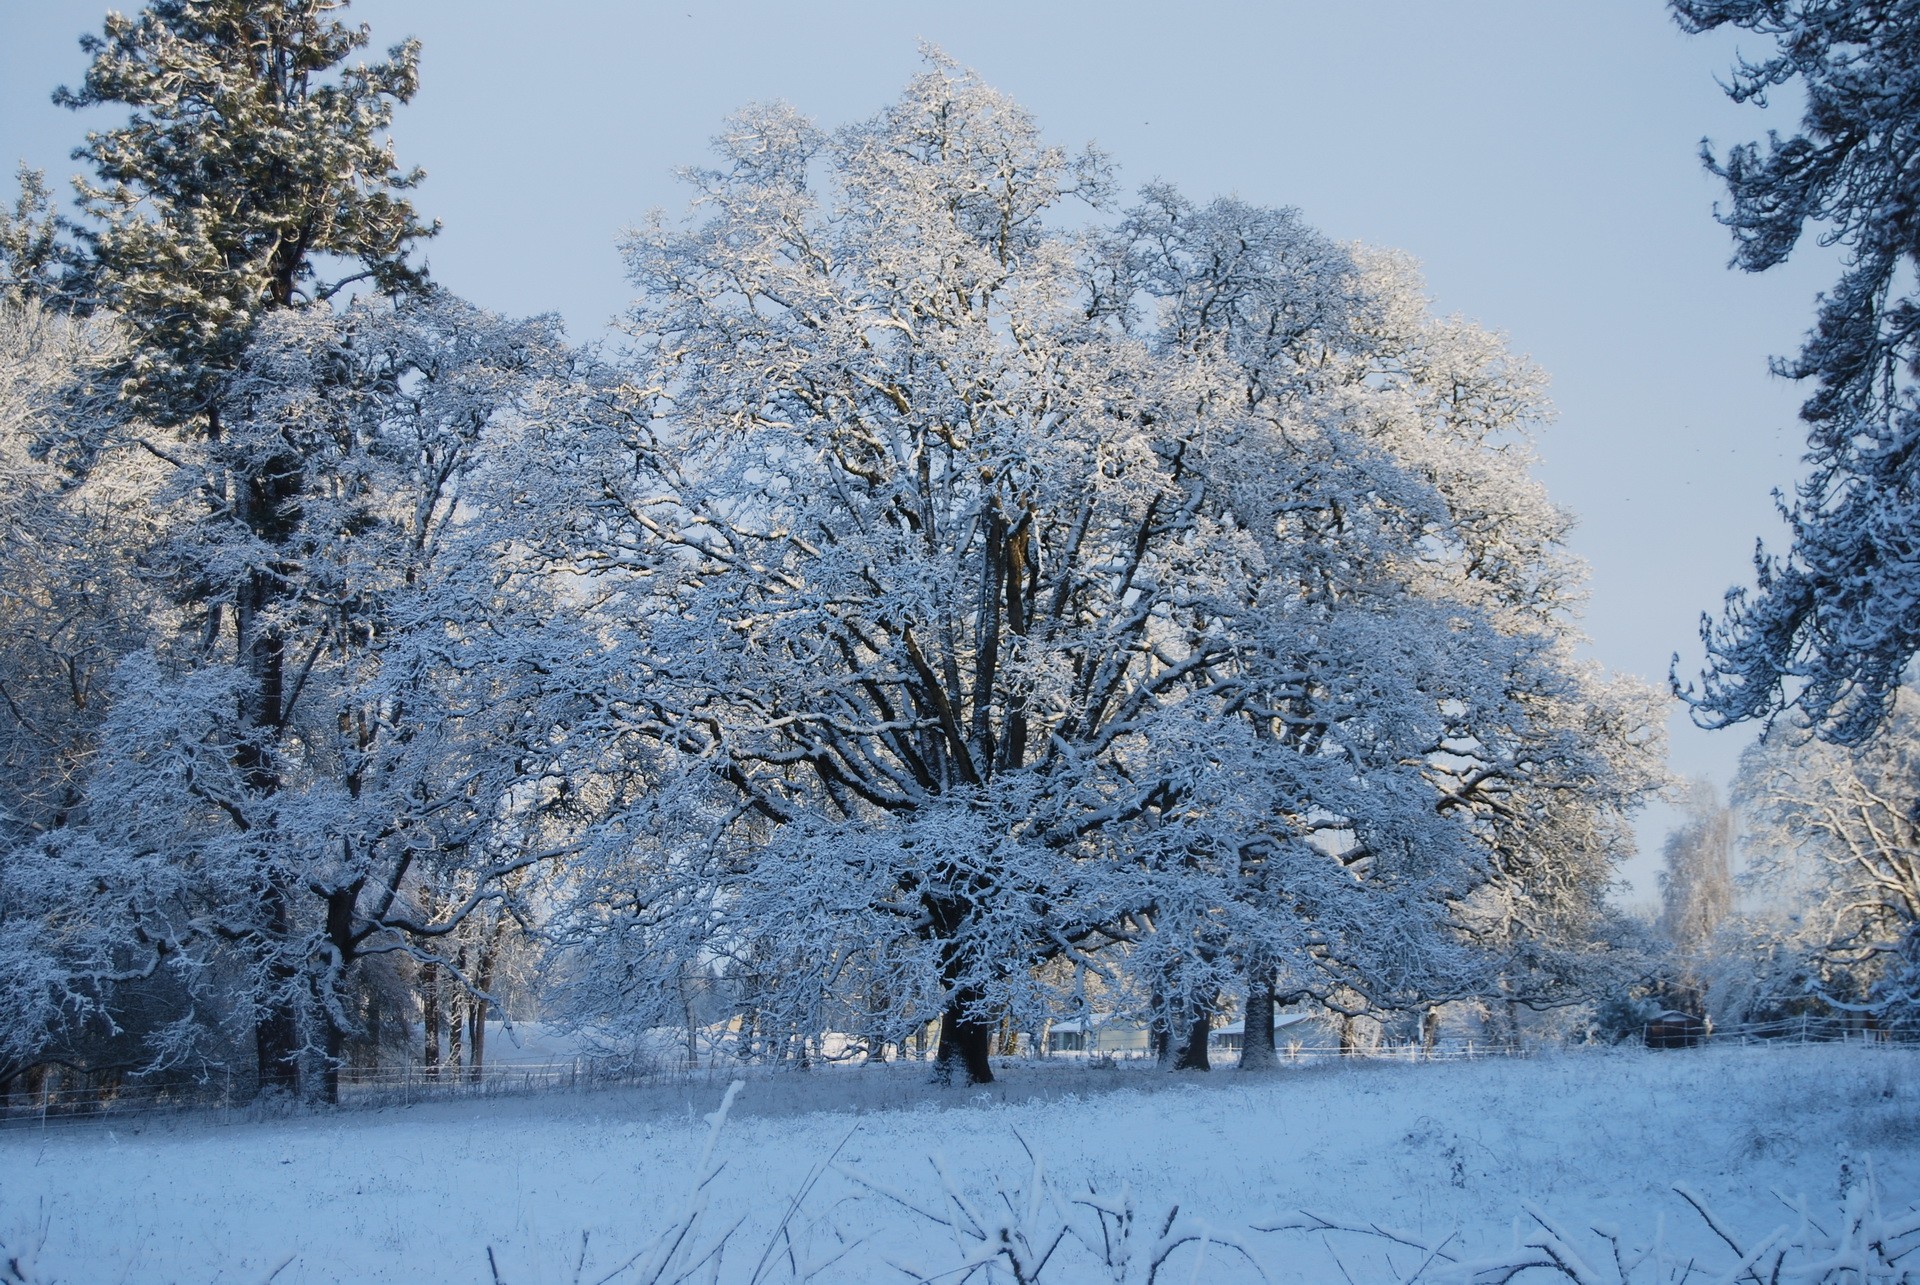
x=1833 y=625
x=252 y=157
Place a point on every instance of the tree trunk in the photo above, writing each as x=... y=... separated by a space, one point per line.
x=1192 y=1053
x=330 y=1068
x=455 y=1035
x=476 y=1037
x=690 y=1022
x=1256 y=1037
x=964 y=1041
x=276 y=1029
x=265 y=501
x=1430 y=1030
x=430 y=1020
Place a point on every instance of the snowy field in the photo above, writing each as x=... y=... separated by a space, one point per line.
x=422 y=1194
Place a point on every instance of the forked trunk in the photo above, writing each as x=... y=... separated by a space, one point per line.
x=1191 y=1055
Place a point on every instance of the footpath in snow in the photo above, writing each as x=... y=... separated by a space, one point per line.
x=570 y=1187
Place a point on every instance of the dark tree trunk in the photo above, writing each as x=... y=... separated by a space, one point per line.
x=1429 y=1030
x=276 y=1029
x=430 y=1020
x=330 y=1070
x=489 y=952
x=340 y=906
x=268 y=506
x=965 y=1036
x=964 y=1041
x=1256 y=1038
x=476 y=1038
x=1192 y=1053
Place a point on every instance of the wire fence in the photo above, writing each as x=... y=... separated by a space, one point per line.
x=65 y=1098
x=61 y=1097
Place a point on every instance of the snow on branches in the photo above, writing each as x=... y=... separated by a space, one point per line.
x=1168 y=601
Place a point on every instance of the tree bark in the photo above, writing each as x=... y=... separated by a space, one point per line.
x=430 y=1020
x=1256 y=1037
x=455 y=1036
x=266 y=500
x=1192 y=1053
x=964 y=1041
x=276 y=1030
x=330 y=1069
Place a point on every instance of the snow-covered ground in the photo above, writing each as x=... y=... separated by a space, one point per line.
x=422 y=1194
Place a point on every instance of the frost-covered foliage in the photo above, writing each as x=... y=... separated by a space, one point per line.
x=944 y=609
x=1039 y=1231
x=1833 y=623
x=395 y=796
x=1696 y=892
x=1168 y=602
x=68 y=612
x=1834 y=837
x=1862 y=1243
x=302 y=537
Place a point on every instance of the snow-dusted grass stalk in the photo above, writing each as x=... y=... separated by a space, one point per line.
x=1032 y=1229
x=1861 y=1245
x=1035 y=1234
x=687 y=1249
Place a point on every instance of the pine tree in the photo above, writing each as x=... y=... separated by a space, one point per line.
x=251 y=154
x=1835 y=622
x=241 y=166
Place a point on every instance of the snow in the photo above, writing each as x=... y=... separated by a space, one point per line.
x=422 y=1194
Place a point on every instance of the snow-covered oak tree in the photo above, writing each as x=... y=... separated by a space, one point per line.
x=1169 y=601
x=1833 y=832
x=401 y=787
x=1421 y=521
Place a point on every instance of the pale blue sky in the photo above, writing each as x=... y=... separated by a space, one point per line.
x=1538 y=158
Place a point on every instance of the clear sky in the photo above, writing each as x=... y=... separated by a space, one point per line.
x=1540 y=159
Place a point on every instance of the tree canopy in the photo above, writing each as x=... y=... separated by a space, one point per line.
x=1831 y=625
x=969 y=596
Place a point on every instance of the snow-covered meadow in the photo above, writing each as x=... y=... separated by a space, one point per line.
x=423 y=1194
